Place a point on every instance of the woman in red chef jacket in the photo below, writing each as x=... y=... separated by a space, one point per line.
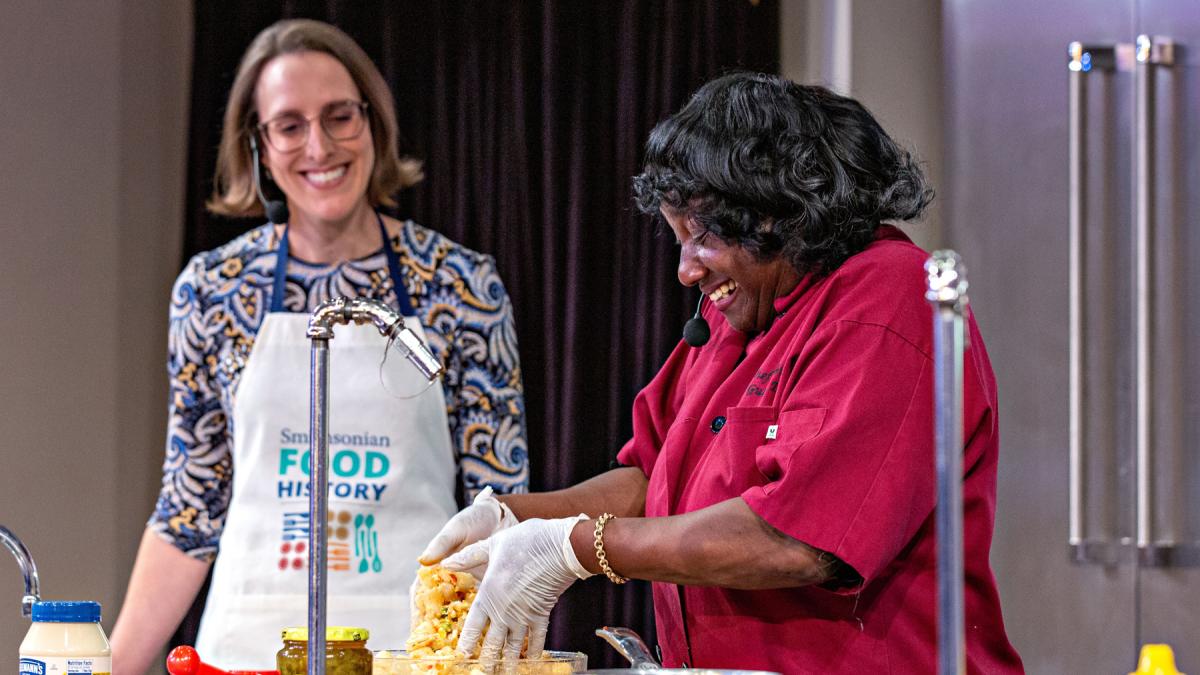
x=779 y=486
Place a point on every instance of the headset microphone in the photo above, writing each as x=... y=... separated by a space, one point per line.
x=695 y=331
x=277 y=209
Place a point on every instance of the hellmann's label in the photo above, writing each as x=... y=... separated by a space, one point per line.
x=67 y=665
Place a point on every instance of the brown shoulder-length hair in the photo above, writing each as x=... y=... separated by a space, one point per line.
x=233 y=184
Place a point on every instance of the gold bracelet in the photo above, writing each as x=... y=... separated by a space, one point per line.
x=600 y=556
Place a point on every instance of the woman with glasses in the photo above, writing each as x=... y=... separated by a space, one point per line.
x=311 y=123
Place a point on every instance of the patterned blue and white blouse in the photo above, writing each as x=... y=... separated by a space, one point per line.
x=218 y=304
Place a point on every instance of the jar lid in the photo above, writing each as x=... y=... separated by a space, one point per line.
x=332 y=634
x=62 y=611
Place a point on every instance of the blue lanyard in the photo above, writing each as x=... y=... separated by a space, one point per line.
x=281 y=258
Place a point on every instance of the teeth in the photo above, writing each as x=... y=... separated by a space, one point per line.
x=723 y=291
x=327 y=176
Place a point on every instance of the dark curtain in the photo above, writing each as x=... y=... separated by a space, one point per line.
x=531 y=119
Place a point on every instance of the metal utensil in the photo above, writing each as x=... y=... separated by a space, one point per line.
x=631 y=645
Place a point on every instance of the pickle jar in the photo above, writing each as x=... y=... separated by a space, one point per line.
x=346 y=651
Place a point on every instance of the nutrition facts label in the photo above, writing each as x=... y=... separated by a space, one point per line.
x=66 y=666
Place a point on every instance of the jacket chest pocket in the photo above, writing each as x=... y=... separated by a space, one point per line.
x=726 y=467
x=793 y=429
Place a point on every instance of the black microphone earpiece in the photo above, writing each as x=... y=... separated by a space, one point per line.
x=277 y=209
x=695 y=331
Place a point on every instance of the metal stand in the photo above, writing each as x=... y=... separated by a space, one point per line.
x=947 y=292
x=320 y=329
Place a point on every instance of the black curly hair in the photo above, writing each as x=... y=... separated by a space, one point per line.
x=781 y=169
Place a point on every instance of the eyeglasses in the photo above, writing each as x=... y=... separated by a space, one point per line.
x=341 y=120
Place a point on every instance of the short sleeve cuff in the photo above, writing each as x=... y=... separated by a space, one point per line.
x=822 y=534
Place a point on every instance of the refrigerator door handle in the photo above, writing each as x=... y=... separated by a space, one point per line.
x=1082 y=60
x=1151 y=51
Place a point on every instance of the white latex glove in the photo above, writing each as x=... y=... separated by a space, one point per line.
x=483 y=518
x=529 y=567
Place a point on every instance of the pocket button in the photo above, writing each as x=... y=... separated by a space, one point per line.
x=718 y=423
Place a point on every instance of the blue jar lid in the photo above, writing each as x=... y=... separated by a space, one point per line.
x=61 y=611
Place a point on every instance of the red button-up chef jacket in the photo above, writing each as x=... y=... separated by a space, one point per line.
x=824 y=424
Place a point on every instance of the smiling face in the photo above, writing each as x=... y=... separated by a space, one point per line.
x=741 y=286
x=325 y=180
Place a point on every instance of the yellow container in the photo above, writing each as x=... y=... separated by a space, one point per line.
x=1156 y=660
x=346 y=651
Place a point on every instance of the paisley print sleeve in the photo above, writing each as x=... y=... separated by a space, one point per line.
x=197 y=470
x=486 y=407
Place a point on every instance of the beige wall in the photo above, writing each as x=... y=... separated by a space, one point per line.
x=93 y=98
x=887 y=54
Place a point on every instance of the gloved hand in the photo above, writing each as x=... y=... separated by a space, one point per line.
x=529 y=567
x=483 y=518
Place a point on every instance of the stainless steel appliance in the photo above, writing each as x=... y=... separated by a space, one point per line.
x=1073 y=191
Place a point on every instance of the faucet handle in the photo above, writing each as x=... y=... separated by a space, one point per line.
x=28 y=570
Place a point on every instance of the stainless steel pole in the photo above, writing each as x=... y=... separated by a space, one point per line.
x=318 y=502
x=946 y=291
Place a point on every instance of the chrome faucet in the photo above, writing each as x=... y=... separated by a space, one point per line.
x=320 y=330
x=28 y=569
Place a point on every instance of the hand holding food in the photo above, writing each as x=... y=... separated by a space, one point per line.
x=529 y=566
x=483 y=518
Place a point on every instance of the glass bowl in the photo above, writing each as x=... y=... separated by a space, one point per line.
x=398 y=662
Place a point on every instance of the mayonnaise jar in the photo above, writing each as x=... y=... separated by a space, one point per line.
x=65 y=639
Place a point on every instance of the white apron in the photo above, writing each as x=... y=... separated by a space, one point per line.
x=391 y=488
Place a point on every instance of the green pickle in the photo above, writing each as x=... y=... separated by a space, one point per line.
x=346 y=651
